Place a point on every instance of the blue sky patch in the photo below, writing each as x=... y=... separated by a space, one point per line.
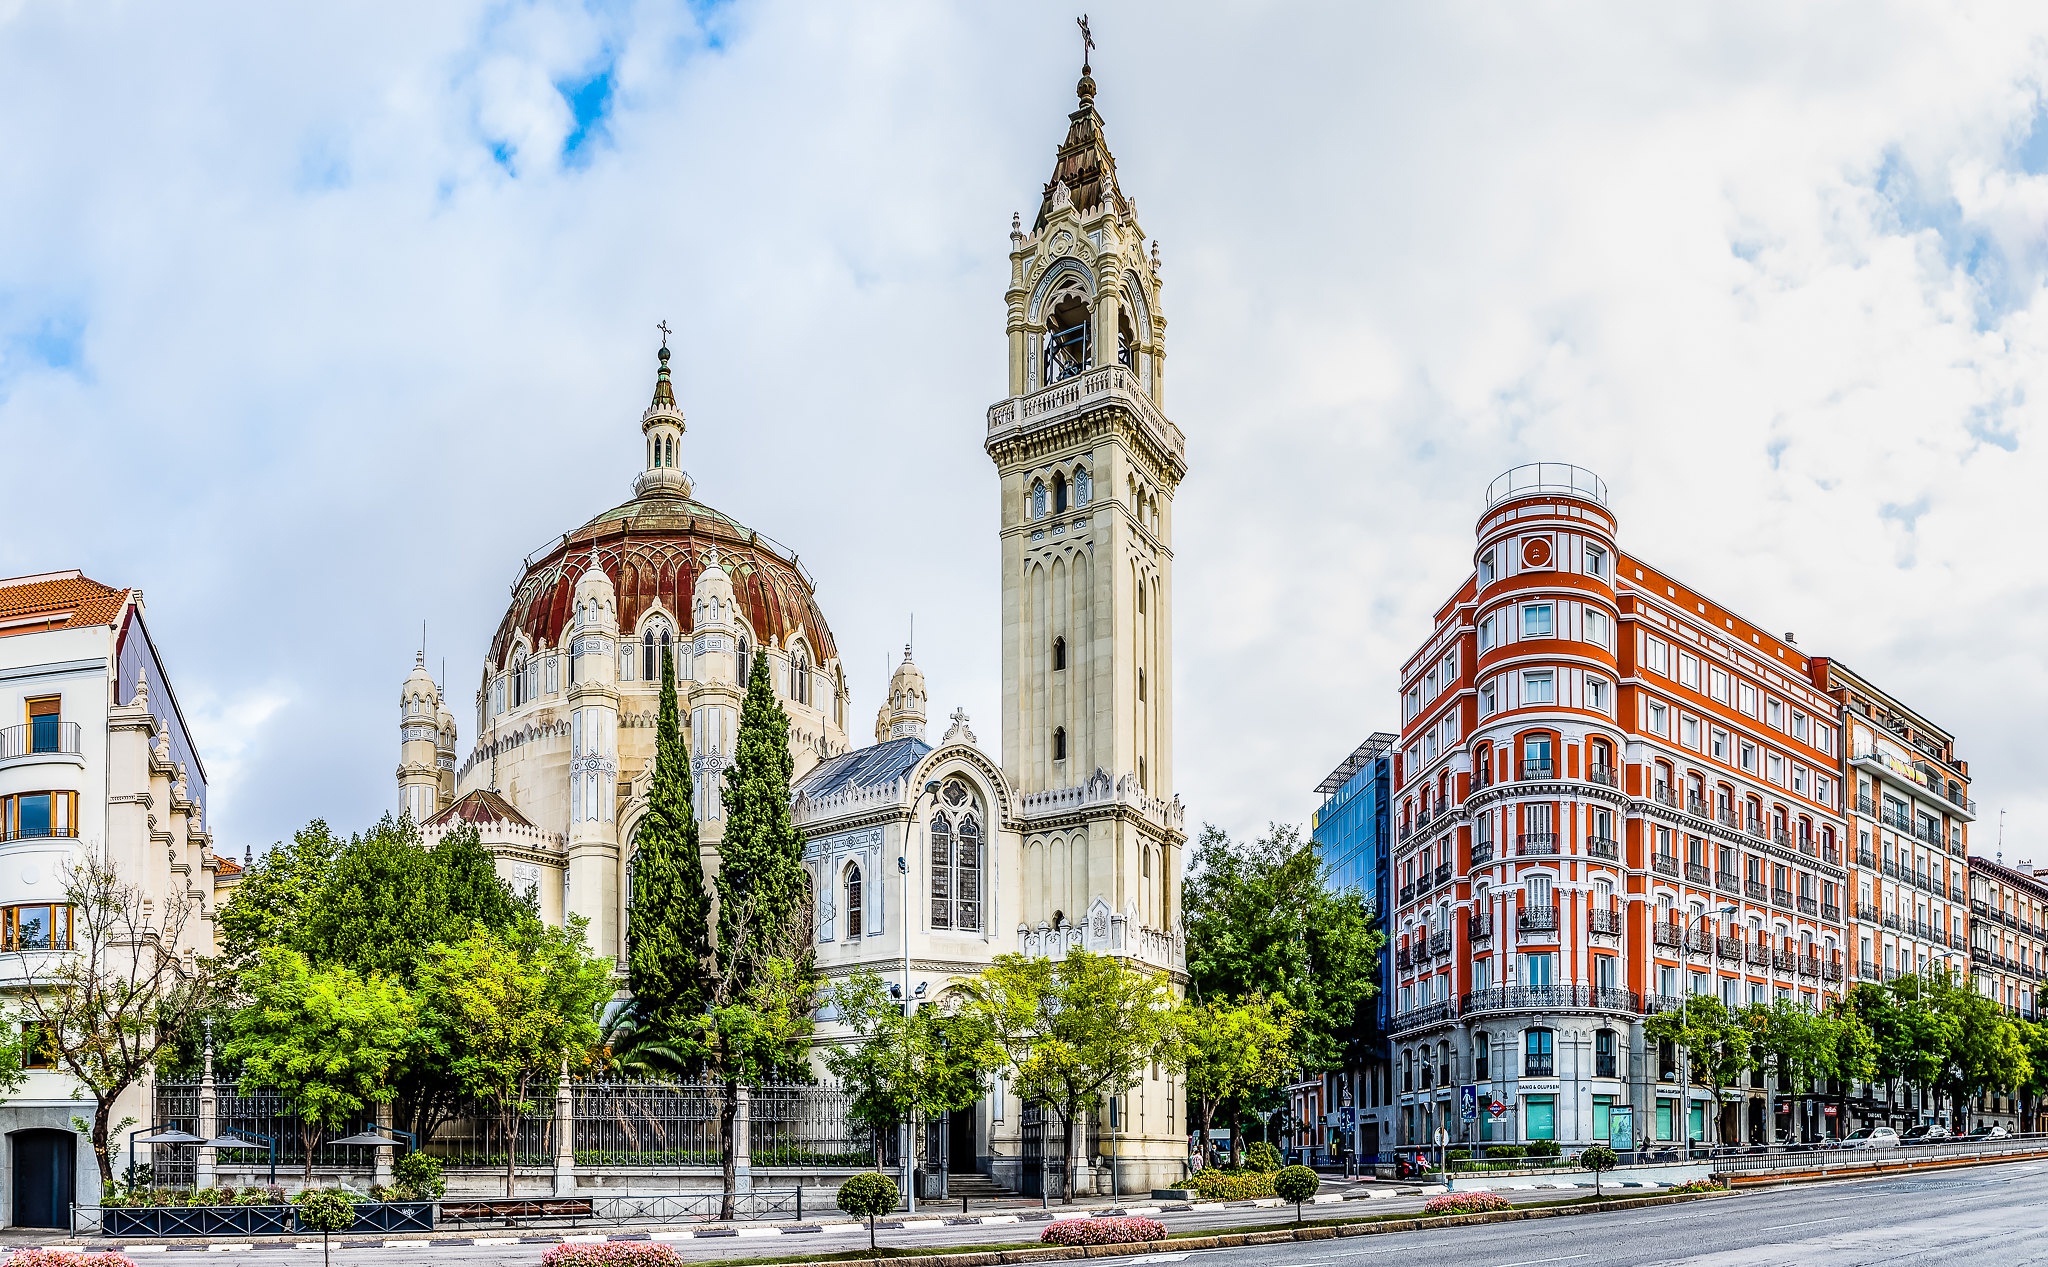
x=590 y=102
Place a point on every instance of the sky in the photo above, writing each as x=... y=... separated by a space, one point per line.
x=315 y=320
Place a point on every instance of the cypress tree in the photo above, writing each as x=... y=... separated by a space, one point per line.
x=668 y=934
x=763 y=891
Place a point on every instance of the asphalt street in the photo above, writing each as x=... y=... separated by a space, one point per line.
x=1981 y=1215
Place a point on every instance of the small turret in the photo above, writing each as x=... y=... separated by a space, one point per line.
x=903 y=713
x=419 y=733
x=662 y=424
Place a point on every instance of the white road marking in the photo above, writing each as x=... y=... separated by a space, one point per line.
x=496 y=1240
x=1808 y=1222
x=227 y=1249
x=1531 y=1262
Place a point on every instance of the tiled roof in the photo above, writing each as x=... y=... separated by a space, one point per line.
x=480 y=806
x=226 y=866
x=872 y=766
x=50 y=600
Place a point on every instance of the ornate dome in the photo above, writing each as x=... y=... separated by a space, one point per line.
x=653 y=548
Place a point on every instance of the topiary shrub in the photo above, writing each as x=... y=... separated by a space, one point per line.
x=325 y=1210
x=1120 y=1230
x=867 y=1195
x=1548 y=1148
x=1598 y=1159
x=1465 y=1203
x=1296 y=1184
x=420 y=1175
x=1262 y=1157
x=1216 y=1185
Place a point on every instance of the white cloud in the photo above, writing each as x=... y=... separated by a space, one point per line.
x=294 y=351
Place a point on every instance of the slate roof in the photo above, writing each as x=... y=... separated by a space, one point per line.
x=873 y=766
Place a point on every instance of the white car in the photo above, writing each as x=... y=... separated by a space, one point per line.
x=1872 y=1137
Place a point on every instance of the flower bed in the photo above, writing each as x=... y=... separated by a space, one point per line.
x=1223 y=1185
x=67 y=1258
x=1698 y=1185
x=1111 y=1231
x=1465 y=1203
x=612 y=1254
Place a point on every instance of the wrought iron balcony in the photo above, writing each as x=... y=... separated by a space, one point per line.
x=1832 y=914
x=1603 y=774
x=1602 y=847
x=1479 y=928
x=1697 y=873
x=1537 y=770
x=1664 y=863
x=1536 y=843
x=1538 y=922
x=1482 y=851
x=1728 y=948
x=1548 y=998
x=1807 y=906
x=1728 y=882
x=1755 y=891
x=1665 y=933
x=1606 y=923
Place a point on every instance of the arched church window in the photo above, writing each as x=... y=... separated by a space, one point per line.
x=1059 y=743
x=654 y=644
x=956 y=858
x=518 y=680
x=1059 y=654
x=1141 y=598
x=1059 y=493
x=1126 y=344
x=1084 y=487
x=855 y=924
x=1038 y=501
x=799 y=676
x=1066 y=334
x=746 y=661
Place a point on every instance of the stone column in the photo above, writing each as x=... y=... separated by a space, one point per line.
x=207 y=1126
x=380 y=1156
x=742 y=1145
x=565 y=1137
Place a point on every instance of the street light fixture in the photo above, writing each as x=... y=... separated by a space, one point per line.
x=931 y=789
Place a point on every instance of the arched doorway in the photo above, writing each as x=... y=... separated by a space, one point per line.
x=45 y=1177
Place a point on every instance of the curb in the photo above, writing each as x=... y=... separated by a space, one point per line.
x=1783 y=1178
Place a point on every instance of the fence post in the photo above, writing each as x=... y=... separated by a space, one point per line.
x=380 y=1156
x=743 y=1143
x=208 y=1124
x=565 y=1135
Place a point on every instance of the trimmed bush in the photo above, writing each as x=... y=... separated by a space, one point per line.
x=67 y=1258
x=1465 y=1203
x=1218 y=1185
x=1262 y=1157
x=612 y=1254
x=866 y=1195
x=325 y=1210
x=1543 y=1148
x=1296 y=1184
x=1109 y=1231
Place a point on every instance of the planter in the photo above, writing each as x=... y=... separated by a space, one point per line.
x=393 y=1216
x=196 y=1220
x=256 y=1220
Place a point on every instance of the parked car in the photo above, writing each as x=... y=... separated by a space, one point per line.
x=1871 y=1137
x=1988 y=1131
x=1928 y=1133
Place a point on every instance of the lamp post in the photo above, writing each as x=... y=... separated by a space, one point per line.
x=931 y=789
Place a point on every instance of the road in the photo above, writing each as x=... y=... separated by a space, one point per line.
x=1981 y=1215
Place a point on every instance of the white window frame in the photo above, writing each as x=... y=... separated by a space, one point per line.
x=1548 y=614
x=1532 y=679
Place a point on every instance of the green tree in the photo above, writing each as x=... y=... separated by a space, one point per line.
x=270 y=903
x=1715 y=1042
x=2035 y=1035
x=1988 y=1051
x=105 y=1011
x=1230 y=1052
x=1074 y=1031
x=759 y=992
x=1261 y=920
x=903 y=1068
x=505 y=1016
x=1598 y=1159
x=668 y=932
x=326 y=1039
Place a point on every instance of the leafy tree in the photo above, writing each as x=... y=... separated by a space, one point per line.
x=2031 y=1090
x=668 y=933
x=625 y=1047
x=504 y=1016
x=1716 y=1044
x=1987 y=1053
x=1296 y=1184
x=269 y=906
x=1231 y=1051
x=866 y=1196
x=326 y=1039
x=106 y=1010
x=1261 y=920
x=902 y=1068
x=1598 y=1159
x=1924 y=1031
x=1074 y=1031
x=758 y=996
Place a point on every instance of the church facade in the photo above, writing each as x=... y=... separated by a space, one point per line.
x=926 y=861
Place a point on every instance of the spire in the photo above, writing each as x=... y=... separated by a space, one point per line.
x=1085 y=165
x=664 y=391
x=662 y=425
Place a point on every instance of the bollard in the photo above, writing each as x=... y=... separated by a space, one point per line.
x=963 y=1205
x=799 y=1200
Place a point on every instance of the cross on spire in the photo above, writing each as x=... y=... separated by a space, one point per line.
x=1087 y=41
x=662 y=325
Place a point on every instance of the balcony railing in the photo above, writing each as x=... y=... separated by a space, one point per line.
x=1864 y=858
x=1728 y=948
x=1536 y=843
x=1783 y=961
x=1807 y=906
x=1697 y=807
x=1696 y=873
x=1664 y=863
x=1757 y=953
x=1809 y=965
x=1427 y=1014
x=1832 y=914
x=1755 y=891
x=1864 y=805
x=1479 y=928
x=1866 y=970
x=1440 y=942
x=1539 y=922
x=1665 y=933
x=1443 y=873
x=39 y=831
x=1755 y=827
x=1537 y=770
x=1600 y=774
x=1602 y=847
x=1482 y=851
x=1663 y=795
x=43 y=735
x=1607 y=923
x=1549 y=998
x=1728 y=882
x=1831 y=970
x=1868 y=913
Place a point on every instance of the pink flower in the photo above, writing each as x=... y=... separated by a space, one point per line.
x=1105 y=1231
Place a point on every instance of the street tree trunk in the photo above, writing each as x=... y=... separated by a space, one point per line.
x=1072 y=1125
x=728 y=1114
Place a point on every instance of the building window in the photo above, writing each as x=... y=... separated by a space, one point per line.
x=42 y=926
x=1486 y=568
x=1603 y=1054
x=38 y=815
x=1141 y=686
x=1059 y=493
x=1599 y=629
x=45 y=716
x=654 y=644
x=1539 y=687
x=36 y=1052
x=1596 y=694
x=1486 y=634
x=1487 y=701
x=1537 y=620
x=1066 y=335
x=1596 y=561
x=1059 y=654
x=1059 y=743
x=746 y=661
x=1037 y=507
x=1536 y=1054
x=856 y=924
x=1482 y=1057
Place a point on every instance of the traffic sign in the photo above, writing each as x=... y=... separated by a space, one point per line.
x=1468 y=1102
x=1497 y=1110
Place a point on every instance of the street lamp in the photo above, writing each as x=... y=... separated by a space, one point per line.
x=931 y=789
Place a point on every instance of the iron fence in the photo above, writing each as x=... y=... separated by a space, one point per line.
x=629 y=1211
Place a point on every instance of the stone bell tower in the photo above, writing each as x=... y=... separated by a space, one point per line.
x=1088 y=464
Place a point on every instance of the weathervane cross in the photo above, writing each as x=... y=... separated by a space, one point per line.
x=1087 y=40
x=662 y=325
